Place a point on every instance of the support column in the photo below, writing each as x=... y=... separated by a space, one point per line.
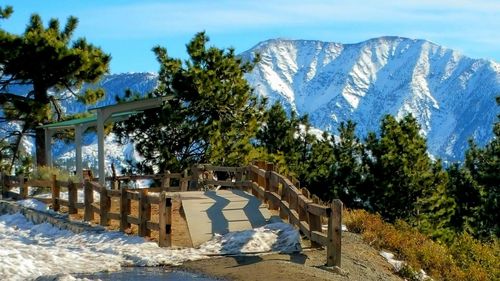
x=78 y=144
x=102 y=115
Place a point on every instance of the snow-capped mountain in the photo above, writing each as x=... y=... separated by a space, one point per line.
x=452 y=96
x=114 y=85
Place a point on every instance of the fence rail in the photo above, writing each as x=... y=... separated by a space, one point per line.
x=296 y=205
x=103 y=206
x=282 y=194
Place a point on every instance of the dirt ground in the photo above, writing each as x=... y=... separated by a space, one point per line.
x=359 y=260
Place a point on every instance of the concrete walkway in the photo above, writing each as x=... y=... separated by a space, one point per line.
x=223 y=211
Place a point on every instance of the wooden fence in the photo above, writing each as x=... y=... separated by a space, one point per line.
x=145 y=197
x=282 y=194
x=296 y=205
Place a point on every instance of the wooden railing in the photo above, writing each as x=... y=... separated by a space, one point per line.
x=167 y=181
x=144 y=196
x=298 y=208
x=282 y=194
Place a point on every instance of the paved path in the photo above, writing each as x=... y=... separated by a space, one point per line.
x=222 y=211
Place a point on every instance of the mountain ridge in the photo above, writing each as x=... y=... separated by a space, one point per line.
x=334 y=82
x=451 y=95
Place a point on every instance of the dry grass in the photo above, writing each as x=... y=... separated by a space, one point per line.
x=465 y=259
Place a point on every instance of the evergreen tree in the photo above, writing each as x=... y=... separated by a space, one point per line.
x=47 y=60
x=319 y=176
x=348 y=171
x=483 y=164
x=401 y=171
x=490 y=179
x=6 y=12
x=467 y=194
x=436 y=208
x=212 y=117
x=289 y=136
x=277 y=133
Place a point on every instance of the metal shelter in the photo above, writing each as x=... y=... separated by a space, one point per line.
x=113 y=113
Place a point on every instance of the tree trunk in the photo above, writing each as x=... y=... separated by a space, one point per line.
x=41 y=102
x=40 y=147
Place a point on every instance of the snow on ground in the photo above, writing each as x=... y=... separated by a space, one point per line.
x=398 y=265
x=64 y=195
x=324 y=227
x=28 y=251
x=34 y=204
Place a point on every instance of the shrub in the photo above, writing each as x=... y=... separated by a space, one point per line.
x=45 y=173
x=464 y=259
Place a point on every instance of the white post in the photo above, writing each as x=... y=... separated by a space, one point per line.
x=78 y=144
x=102 y=115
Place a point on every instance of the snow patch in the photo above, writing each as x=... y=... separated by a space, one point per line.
x=398 y=265
x=30 y=251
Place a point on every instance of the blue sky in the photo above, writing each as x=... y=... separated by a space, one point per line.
x=129 y=29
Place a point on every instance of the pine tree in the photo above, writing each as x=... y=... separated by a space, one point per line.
x=435 y=207
x=6 y=12
x=277 y=133
x=47 y=60
x=319 y=176
x=212 y=117
x=490 y=179
x=289 y=136
x=484 y=166
x=348 y=171
x=401 y=171
x=467 y=193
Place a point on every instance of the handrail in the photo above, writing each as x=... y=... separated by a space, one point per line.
x=282 y=194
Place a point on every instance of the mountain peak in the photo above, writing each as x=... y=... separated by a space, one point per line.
x=451 y=95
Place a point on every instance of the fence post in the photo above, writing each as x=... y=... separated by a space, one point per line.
x=144 y=213
x=23 y=188
x=88 y=200
x=165 y=221
x=273 y=187
x=239 y=174
x=124 y=209
x=334 y=246
x=269 y=171
x=55 y=193
x=104 y=206
x=195 y=170
x=2 y=180
x=115 y=184
x=302 y=210
x=165 y=182
x=283 y=195
x=72 y=197
x=313 y=220
x=184 y=180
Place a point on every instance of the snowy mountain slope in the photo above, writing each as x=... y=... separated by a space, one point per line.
x=114 y=85
x=452 y=96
